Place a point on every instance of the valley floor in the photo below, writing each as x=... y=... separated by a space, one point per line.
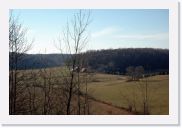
x=118 y=91
x=108 y=94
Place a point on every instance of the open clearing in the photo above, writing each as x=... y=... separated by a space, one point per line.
x=114 y=94
x=115 y=89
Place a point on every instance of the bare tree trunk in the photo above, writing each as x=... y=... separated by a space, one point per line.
x=146 y=111
x=45 y=97
x=70 y=90
x=18 y=45
x=75 y=38
x=33 y=99
x=15 y=85
x=79 y=107
x=86 y=95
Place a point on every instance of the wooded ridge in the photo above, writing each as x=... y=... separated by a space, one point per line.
x=109 y=61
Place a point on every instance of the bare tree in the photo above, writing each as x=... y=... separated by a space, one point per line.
x=130 y=98
x=135 y=72
x=130 y=72
x=18 y=45
x=143 y=88
x=75 y=38
x=33 y=92
x=139 y=71
x=144 y=91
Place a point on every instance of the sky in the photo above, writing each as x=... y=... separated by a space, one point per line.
x=109 y=28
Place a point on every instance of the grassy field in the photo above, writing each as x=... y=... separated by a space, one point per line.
x=116 y=90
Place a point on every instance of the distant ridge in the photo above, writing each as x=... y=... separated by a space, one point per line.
x=117 y=60
x=36 y=61
x=109 y=60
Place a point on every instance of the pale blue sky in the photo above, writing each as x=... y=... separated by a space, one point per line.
x=117 y=28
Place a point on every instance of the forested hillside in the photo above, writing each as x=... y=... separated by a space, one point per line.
x=110 y=60
x=117 y=60
x=36 y=61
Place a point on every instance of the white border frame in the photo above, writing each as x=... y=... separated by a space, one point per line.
x=171 y=119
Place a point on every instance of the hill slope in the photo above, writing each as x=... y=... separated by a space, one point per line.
x=36 y=61
x=117 y=60
x=110 y=60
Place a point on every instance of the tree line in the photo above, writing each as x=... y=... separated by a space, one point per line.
x=110 y=61
x=117 y=60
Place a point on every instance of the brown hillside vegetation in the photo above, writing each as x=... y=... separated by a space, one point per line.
x=108 y=94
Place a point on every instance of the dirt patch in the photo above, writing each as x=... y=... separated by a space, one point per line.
x=100 y=108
